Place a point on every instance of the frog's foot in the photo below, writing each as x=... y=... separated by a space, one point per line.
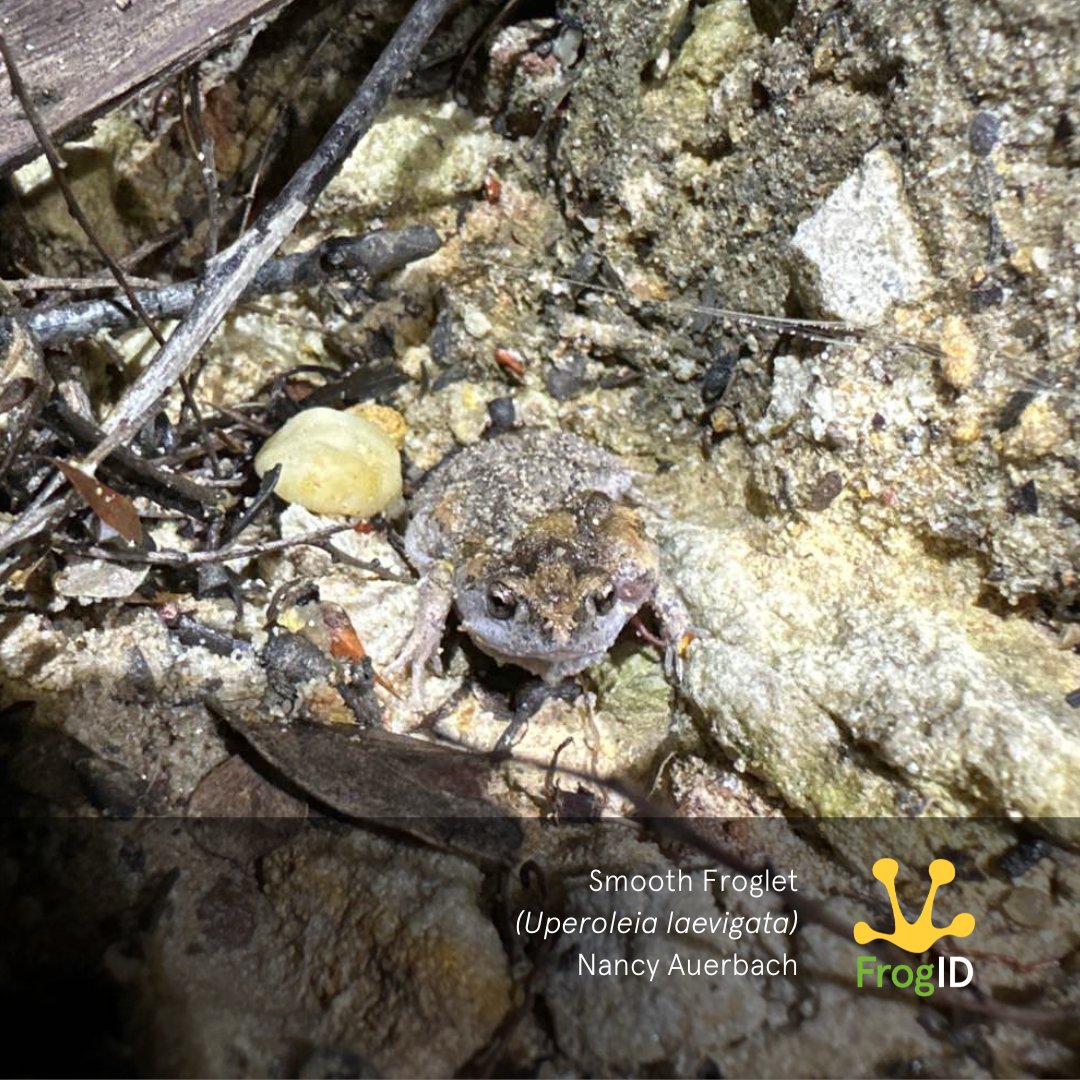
x=421 y=648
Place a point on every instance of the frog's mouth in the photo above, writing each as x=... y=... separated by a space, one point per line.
x=551 y=669
x=552 y=665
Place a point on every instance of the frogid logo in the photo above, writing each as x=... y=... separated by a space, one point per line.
x=916 y=938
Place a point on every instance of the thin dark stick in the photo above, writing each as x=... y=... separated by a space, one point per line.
x=56 y=163
x=225 y=554
x=369 y=566
x=247 y=515
x=205 y=441
x=264 y=431
x=486 y=30
x=268 y=143
x=185 y=119
x=376 y=253
x=155 y=243
x=207 y=163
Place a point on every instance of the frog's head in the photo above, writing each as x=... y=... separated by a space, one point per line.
x=557 y=601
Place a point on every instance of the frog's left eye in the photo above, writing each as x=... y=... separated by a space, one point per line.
x=604 y=600
x=501 y=601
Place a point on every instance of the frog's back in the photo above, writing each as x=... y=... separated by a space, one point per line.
x=486 y=495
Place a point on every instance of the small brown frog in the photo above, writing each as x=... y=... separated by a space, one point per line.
x=530 y=537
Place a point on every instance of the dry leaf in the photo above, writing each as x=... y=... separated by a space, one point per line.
x=438 y=794
x=116 y=510
x=344 y=642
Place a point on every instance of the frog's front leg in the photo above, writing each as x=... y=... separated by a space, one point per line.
x=422 y=644
x=675 y=626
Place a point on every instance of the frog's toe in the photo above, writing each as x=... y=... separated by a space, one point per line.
x=420 y=651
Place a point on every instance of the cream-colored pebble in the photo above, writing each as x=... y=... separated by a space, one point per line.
x=333 y=463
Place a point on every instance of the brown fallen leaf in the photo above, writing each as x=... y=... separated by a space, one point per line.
x=116 y=510
x=345 y=644
x=434 y=793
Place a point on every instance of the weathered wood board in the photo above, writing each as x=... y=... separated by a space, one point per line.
x=78 y=57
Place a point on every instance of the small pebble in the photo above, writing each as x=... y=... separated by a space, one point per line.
x=1039 y=432
x=1024 y=500
x=502 y=414
x=717 y=377
x=565 y=383
x=384 y=417
x=1025 y=854
x=723 y=420
x=1027 y=907
x=960 y=354
x=984 y=133
x=477 y=324
x=825 y=491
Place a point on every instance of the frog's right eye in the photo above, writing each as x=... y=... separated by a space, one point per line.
x=501 y=601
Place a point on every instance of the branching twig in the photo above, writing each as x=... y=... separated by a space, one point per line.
x=56 y=163
x=230 y=273
x=233 y=270
x=204 y=152
x=224 y=554
x=376 y=253
x=87 y=431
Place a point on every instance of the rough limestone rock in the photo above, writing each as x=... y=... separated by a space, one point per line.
x=860 y=252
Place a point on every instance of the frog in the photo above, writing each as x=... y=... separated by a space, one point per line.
x=537 y=538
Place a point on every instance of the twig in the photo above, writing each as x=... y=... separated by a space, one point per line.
x=192 y=406
x=36 y=387
x=247 y=515
x=87 y=431
x=233 y=270
x=248 y=423
x=268 y=143
x=226 y=554
x=369 y=566
x=230 y=273
x=155 y=243
x=40 y=514
x=40 y=283
x=204 y=153
x=376 y=253
x=56 y=164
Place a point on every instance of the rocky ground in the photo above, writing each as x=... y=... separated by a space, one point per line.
x=878 y=540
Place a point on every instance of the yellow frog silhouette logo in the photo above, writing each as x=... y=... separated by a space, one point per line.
x=918 y=936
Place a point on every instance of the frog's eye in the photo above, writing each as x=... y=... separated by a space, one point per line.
x=501 y=601
x=604 y=600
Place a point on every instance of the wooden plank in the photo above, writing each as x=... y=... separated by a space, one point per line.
x=79 y=57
